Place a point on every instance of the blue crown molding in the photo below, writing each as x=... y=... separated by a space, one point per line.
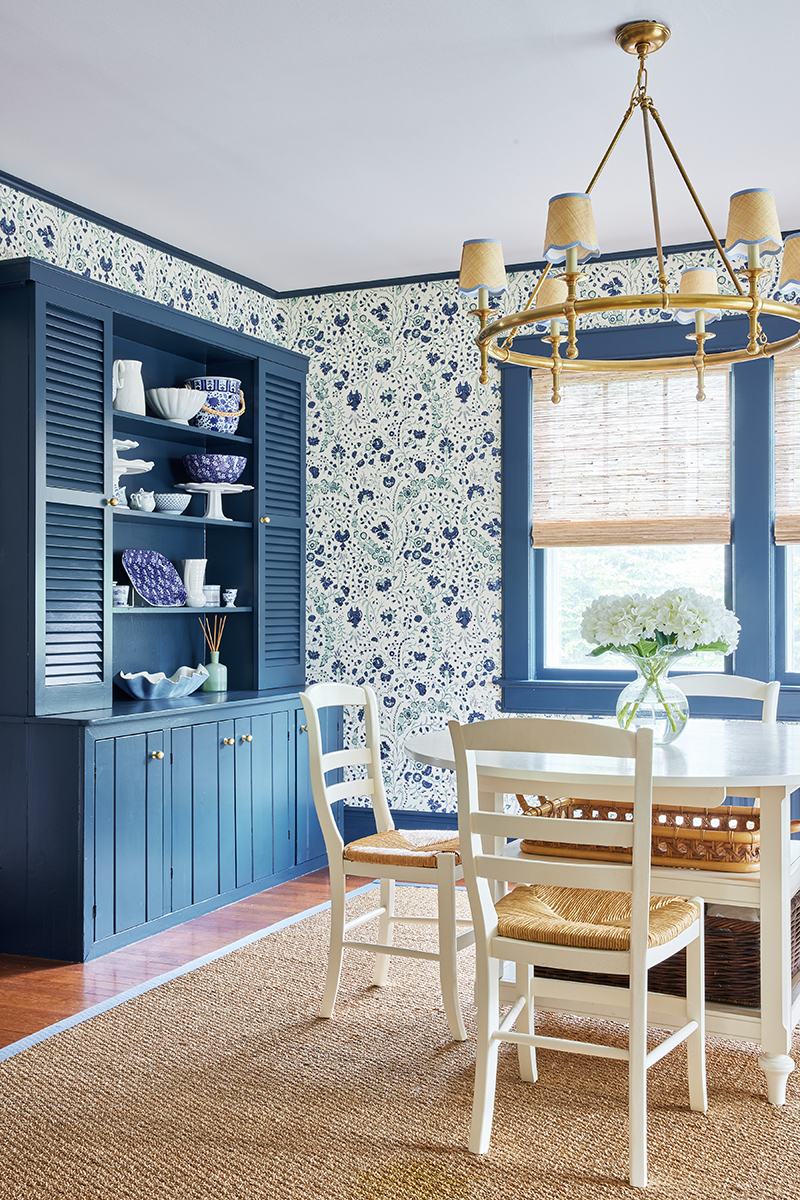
x=88 y=214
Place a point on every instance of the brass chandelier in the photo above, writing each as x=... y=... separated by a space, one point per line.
x=571 y=238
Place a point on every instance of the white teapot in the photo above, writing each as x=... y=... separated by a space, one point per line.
x=128 y=386
x=144 y=501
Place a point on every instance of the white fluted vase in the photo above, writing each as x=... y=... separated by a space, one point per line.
x=194 y=574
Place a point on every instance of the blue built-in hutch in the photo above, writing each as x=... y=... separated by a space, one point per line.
x=121 y=817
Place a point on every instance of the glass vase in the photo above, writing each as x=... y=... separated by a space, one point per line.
x=217 y=674
x=652 y=700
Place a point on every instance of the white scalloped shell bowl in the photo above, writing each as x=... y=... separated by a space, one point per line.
x=178 y=405
x=144 y=686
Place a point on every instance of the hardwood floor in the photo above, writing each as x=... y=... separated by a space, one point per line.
x=36 y=992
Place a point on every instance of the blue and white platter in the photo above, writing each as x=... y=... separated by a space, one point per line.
x=154 y=578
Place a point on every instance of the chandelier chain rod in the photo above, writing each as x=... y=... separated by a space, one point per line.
x=614 y=141
x=662 y=272
x=696 y=198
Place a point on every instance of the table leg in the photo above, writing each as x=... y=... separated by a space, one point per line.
x=776 y=975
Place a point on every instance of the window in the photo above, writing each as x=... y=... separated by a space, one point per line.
x=546 y=585
x=631 y=485
x=576 y=575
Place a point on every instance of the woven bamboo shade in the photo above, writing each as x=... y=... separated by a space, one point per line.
x=753 y=221
x=629 y=459
x=482 y=266
x=570 y=222
x=790 y=267
x=787 y=448
x=700 y=281
x=552 y=291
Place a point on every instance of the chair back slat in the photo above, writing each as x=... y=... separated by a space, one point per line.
x=350 y=789
x=738 y=687
x=554 y=829
x=335 y=759
x=598 y=876
x=528 y=734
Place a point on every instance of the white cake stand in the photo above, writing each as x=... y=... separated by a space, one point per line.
x=214 y=493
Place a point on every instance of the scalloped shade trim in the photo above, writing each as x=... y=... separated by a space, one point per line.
x=482 y=266
x=753 y=221
x=698 y=281
x=570 y=222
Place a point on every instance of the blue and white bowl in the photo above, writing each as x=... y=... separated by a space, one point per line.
x=223 y=395
x=174 y=502
x=214 y=468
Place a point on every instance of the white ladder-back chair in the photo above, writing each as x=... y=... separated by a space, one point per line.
x=573 y=915
x=416 y=856
x=738 y=687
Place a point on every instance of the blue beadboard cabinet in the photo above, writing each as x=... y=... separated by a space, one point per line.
x=121 y=817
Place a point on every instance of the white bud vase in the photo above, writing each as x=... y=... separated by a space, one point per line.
x=194 y=573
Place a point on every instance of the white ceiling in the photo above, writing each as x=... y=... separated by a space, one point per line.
x=314 y=142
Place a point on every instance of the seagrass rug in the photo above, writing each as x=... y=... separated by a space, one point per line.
x=224 y=1083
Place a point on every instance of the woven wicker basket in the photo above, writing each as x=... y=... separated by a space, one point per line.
x=711 y=839
x=733 y=966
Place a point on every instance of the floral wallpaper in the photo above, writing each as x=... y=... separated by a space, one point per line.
x=403 y=566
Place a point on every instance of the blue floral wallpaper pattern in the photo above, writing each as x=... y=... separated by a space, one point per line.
x=403 y=467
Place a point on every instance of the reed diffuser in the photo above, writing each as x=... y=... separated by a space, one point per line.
x=217 y=673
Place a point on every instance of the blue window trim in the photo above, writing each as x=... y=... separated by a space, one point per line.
x=756 y=572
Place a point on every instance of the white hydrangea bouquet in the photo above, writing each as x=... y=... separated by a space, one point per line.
x=652 y=632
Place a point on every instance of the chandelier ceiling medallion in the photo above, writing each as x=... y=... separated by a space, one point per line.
x=571 y=238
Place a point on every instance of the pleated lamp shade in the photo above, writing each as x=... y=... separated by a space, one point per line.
x=570 y=222
x=482 y=266
x=552 y=291
x=790 y=269
x=753 y=221
x=700 y=281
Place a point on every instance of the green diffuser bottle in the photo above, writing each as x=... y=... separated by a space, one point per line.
x=217 y=672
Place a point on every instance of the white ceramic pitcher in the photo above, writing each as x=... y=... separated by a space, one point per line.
x=128 y=386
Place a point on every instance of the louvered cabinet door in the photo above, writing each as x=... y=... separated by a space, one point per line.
x=72 y=517
x=280 y=653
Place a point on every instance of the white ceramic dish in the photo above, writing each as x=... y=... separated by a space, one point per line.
x=174 y=502
x=145 y=686
x=178 y=405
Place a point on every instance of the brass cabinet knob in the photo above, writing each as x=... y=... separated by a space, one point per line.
x=304 y=729
x=157 y=754
x=247 y=737
x=227 y=741
x=265 y=520
x=113 y=501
